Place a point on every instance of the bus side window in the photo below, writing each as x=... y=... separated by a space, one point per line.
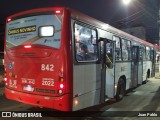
x=147 y=53
x=152 y=54
x=129 y=49
x=124 y=50
x=85 y=44
x=118 y=49
x=144 y=52
x=141 y=53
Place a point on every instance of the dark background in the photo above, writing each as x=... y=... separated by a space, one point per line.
x=138 y=13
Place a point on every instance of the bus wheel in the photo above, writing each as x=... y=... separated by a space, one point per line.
x=144 y=82
x=120 y=90
x=148 y=74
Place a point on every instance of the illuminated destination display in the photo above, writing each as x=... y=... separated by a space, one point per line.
x=22 y=30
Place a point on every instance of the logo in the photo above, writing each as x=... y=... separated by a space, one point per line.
x=6 y=114
x=21 y=114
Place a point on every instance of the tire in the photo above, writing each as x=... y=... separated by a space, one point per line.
x=144 y=82
x=120 y=90
x=148 y=74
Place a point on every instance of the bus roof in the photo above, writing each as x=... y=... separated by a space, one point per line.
x=78 y=15
x=85 y=18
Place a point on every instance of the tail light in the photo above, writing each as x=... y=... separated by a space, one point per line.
x=9 y=19
x=5 y=79
x=61 y=82
x=61 y=86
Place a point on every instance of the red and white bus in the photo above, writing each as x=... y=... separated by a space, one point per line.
x=62 y=59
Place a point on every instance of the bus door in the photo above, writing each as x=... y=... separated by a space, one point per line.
x=107 y=72
x=153 y=59
x=137 y=66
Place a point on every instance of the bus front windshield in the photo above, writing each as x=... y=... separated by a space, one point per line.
x=40 y=30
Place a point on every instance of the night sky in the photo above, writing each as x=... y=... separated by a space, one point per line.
x=140 y=12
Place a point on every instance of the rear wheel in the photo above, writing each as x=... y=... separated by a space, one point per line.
x=148 y=74
x=120 y=90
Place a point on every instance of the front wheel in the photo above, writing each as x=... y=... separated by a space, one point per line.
x=120 y=90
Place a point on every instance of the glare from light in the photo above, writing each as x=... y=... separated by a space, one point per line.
x=106 y=26
x=9 y=19
x=58 y=11
x=126 y=2
x=27 y=46
x=76 y=102
x=47 y=31
x=61 y=86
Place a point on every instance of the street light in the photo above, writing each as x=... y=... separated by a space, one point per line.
x=126 y=2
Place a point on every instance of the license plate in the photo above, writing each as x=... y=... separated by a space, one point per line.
x=28 y=88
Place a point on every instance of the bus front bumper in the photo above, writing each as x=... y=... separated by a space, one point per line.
x=59 y=103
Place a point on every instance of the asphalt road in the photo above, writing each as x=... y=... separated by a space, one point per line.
x=144 y=100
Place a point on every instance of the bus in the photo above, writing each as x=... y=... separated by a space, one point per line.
x=62 y=59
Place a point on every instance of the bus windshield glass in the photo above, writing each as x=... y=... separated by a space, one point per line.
x=40 y=30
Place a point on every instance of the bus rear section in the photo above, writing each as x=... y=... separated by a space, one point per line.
x=34 y=60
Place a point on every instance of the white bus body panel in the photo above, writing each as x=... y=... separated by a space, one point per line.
x=123 y=69
x=86 y=85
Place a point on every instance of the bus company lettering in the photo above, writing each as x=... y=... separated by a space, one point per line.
x=22 y=30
